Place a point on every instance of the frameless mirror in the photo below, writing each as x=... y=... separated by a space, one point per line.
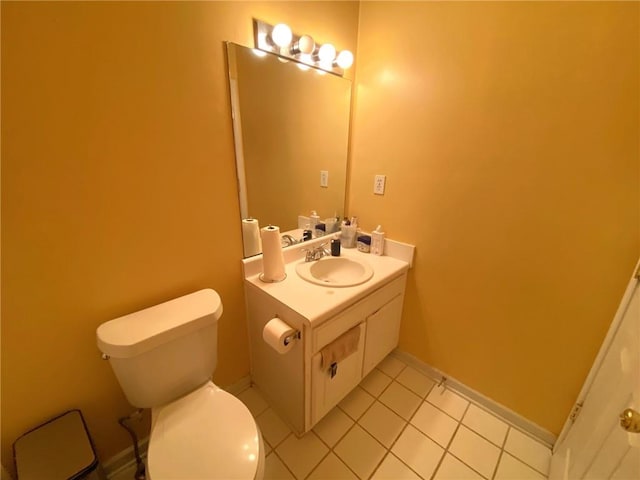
x=290 y=122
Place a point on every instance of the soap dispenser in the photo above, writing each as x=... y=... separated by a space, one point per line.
x=314 y=219
x=377 y=241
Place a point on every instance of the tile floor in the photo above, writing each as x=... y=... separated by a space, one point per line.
x=398 y=424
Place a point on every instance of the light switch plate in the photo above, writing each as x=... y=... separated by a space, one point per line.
x=378 y=184
x=324 y=178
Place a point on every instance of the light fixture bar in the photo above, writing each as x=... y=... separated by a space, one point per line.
x=279 y=39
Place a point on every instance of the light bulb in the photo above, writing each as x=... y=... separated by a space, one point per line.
x=258 y=53
x=326 y=65
x=327 y=53
x=281 y=35
x=306 y=58
x=305 y=45
x=345 y=59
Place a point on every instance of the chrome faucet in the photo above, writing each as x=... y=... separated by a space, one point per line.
x=316 y=253
x=287 y=240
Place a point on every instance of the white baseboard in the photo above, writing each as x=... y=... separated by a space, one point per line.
x=125 y=459
x=239 y=386
x=509 y=416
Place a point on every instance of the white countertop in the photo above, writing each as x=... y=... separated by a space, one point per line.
x=316 y=302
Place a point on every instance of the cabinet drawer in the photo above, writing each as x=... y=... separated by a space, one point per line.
x=327 y=391
x=349 y=318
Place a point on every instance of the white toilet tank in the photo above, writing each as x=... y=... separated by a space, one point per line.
x=163 y=352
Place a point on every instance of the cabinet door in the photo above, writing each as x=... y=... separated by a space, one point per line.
x=327 y=391
x=383 y=330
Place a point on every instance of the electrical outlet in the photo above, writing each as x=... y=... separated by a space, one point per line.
x=324 y=178
x=378 y=184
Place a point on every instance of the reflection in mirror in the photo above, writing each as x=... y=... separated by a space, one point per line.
x=290 y=123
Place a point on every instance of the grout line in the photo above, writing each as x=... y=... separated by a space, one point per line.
x=495 y=470
x=446 y=449
x=283 y=462
x=465 y=464
x=406 y=422
x=546 y=475
x=502 y=452
x=320 y=461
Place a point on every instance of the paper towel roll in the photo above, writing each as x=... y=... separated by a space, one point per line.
x=272 y=258
x=251 y=237
x=275 y=332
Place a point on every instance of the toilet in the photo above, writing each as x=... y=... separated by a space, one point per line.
x=163 y=358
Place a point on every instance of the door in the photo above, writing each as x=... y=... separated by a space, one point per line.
x=383 y=331
x=595 y=446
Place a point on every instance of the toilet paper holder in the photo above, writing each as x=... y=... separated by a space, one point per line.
x=294 y=336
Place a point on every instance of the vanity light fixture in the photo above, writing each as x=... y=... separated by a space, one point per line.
x=281 y=40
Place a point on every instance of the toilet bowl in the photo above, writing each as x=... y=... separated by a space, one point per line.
x=163 y=358
x=206 y=434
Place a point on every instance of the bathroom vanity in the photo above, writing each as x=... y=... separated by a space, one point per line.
x=294 y=382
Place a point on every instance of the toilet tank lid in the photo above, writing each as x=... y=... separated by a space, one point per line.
x=141 y=331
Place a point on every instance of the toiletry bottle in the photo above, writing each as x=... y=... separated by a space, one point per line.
x=377 y=241
x=335 y=246
x=314 y=219
x=307 y=234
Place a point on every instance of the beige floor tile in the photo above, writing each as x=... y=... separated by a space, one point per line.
x=274 y=469
x=415 y=381
x=511 y=468
x=273 y=429
x=530 y=451
x=393 y=469
x=333 y=426
x=302 y=455
x=360 y=451
x=382 y=423
x=487 y=425
x=253 y=400
x=434 y=423
x=401 y=400
x=332 y=468
x=447 y=401
x=475 y=451
x=356 y=403
x=391 y=366
x=375 y=382
x=453 y=469
x=418 y=451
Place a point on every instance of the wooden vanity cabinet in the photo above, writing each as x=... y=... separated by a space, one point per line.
x=294 y=383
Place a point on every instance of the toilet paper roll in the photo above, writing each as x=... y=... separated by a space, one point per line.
x=272 y=257
x=251 y=237
x=274 y=334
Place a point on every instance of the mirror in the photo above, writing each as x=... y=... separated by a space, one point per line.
x=290 y=122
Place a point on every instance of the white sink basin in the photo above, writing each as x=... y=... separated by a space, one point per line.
x=335 y=271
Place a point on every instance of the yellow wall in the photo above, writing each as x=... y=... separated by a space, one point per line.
x=119 y=187
x=509 y=137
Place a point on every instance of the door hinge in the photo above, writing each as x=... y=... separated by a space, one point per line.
x=575 y=412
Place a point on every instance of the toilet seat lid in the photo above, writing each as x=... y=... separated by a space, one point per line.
x=206 y=434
